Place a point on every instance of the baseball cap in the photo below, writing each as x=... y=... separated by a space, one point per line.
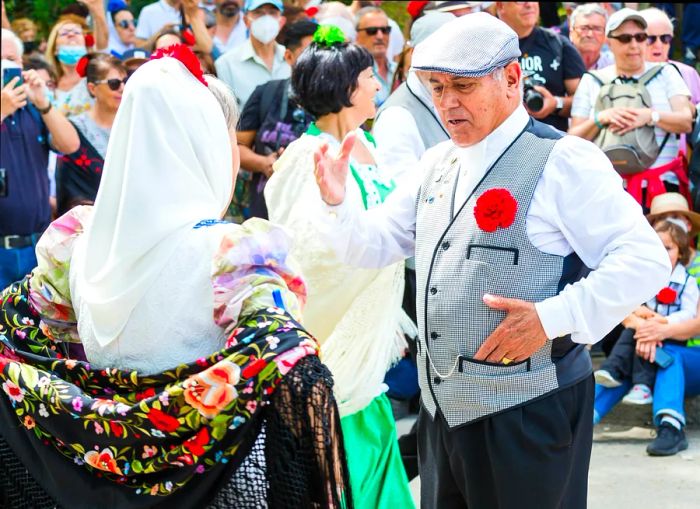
x=251 y=5
x=619 y=17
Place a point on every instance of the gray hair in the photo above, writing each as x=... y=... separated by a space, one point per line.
x=9 y=35
x=225 y=98
x=367 y=10
x=654 y=14
x=586 y=10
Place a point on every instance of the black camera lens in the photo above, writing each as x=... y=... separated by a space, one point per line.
x=533 y=99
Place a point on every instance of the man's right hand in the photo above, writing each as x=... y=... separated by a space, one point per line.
x=12 y=98
x=618 y=119
x=331 y=173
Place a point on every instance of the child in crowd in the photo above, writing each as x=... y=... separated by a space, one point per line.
x=677 y=302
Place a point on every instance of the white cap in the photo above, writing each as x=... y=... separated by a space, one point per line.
x=619 y=17
x=427 y=24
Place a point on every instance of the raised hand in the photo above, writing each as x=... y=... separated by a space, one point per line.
x=13 y=98
x=36 y=89
x=332 y=172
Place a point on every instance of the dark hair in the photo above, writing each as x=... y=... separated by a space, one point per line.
x=38 y=64
x=99 y=64
x=325 y=77
x=169 y=29
x=121 y=9
x=293 y=33
x=77 y=8
x=678 y=236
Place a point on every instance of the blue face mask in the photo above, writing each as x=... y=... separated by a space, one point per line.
x=70 y=55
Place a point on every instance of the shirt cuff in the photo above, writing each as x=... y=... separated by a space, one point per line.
x=555 y=317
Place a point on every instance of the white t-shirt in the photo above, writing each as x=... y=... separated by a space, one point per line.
x=666 y=84
x=154 y=17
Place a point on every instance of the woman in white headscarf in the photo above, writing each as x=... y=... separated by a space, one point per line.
x=188 y=323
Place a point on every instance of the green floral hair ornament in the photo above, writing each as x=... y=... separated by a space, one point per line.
x=329 y=35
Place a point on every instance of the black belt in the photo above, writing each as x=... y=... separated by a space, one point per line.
x=18 y=241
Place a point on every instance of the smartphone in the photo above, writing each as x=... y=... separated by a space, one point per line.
x=662 y=358
x=10 y=73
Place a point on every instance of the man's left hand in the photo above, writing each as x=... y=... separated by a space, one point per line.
x=518 y=336
x=36 y=89
x=550 y=104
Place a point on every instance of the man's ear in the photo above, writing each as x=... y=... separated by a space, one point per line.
x=246 y=20
x=513 y=75
x=91 y=89
x=283 y=21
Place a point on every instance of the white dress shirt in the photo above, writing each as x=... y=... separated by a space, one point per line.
x=155 y=16
x=579 y=205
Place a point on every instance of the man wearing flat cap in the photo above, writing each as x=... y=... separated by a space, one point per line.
x=504 y=220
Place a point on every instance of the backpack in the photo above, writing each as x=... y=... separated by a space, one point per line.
x=636 y=150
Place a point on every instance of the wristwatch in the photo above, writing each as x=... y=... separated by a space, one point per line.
x=655 y=117
x=44 y=111
x=560 y=103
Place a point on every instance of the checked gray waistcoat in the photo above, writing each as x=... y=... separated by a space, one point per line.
x=457 y=263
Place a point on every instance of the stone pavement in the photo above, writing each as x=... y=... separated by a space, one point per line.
x=623 y=476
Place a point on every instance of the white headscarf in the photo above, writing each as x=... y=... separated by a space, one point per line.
x=168 y=166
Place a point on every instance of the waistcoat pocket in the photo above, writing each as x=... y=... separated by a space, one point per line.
x=474 y=367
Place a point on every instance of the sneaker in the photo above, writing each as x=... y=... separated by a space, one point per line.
x=640 y=394
x=604 y=378
x=669 y=440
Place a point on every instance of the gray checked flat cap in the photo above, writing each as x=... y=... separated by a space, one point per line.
x=471 y=46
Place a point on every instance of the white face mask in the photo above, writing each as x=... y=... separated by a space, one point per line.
x=265 y=28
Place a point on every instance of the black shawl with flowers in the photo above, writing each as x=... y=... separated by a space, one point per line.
x=250 y=426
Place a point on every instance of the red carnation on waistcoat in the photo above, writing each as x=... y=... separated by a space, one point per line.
x=495 y=209
x=667 y=295
x=184 y=55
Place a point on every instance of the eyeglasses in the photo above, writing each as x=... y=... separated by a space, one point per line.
x=127 y=23
x=70 y=31
x=627 y=38
x=588 y=28
x=373 y=30
x=112 y=83
x=665 y=38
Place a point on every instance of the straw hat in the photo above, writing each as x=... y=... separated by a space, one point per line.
x=674 y=202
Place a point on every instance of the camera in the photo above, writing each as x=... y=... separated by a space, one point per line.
x=531 y=97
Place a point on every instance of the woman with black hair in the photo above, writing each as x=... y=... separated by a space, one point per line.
x=355 y=314
x=78 y=174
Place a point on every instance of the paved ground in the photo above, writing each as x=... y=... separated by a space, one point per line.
x=623 y=476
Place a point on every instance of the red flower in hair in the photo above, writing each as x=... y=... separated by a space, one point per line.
x=667 y=296
x=81 y=66
x=414 y=8
x=184 y=55
x=495 y=209
x=311 y=11
x=89 y=40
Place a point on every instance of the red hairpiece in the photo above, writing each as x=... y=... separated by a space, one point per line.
x=81 y=66
x=188 y=37
x=89 y=40
x=414 y=8
x=186 y=56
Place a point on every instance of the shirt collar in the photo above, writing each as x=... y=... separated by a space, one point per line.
x=417 y=87
x=248 y=52
x=490 y=148
x=679 y=274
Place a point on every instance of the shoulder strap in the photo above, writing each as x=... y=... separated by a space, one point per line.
x=268 y=97
x=596 y=76
x=650 y=74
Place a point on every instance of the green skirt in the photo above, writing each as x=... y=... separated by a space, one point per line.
x=377 y=475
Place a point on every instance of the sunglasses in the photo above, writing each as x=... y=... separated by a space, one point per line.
x=373 y=30
x=127 y=23
x=112 y=83
x=627 y=38
x=665 y=38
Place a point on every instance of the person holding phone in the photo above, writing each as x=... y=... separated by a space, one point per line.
x=29 y=127
x=632 y=363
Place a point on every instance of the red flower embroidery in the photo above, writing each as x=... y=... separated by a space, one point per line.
x=81 y=66
x=163 y=421
x=254 y=368
x=666 y=295
x=184 y=55
x=196 y=443
x=148 y=393
x=495 y=209
x=116 y=428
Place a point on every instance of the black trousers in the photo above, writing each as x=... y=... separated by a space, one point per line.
x=623 y=363
x=535 y=456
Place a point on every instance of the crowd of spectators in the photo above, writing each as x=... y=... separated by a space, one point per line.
x=61 y=92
